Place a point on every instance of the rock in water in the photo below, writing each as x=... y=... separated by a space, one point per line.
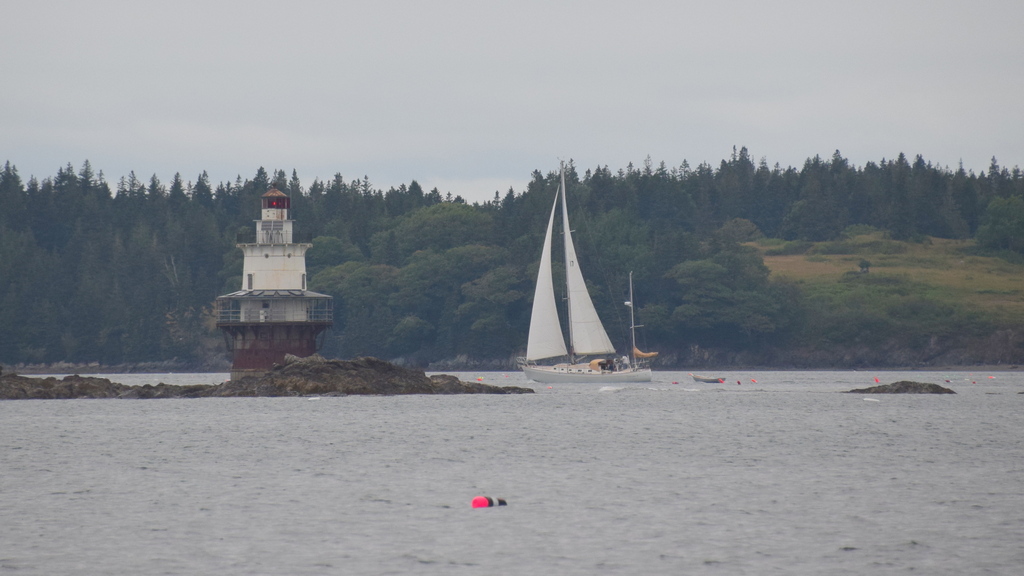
x=904 y=387
x=297 y=377
x=318 y=376
x=15 y=387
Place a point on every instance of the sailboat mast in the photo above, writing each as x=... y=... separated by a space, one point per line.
x=568 y=262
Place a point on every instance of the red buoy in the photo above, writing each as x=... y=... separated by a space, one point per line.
x=487 y=502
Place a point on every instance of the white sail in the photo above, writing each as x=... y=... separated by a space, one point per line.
x=586 y=333
x=545 y=340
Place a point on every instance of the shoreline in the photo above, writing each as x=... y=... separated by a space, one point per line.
x=62 y=368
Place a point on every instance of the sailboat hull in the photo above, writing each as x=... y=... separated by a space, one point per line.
x=583 y=374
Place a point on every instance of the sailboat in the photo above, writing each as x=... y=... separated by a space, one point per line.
x=587 y=336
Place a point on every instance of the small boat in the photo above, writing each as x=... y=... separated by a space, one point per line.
x=587 y=336
x=707 y=379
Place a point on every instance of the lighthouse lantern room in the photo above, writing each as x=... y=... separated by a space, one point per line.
x=273 y=314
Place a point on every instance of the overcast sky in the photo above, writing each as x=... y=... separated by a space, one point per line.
x=471 y=97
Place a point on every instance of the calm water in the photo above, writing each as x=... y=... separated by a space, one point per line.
x=781 y=476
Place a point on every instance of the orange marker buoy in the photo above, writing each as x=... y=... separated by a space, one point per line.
x=876 y=380
x=487 y=502
x=549 y=387
x=479 y=378
x=754 y=381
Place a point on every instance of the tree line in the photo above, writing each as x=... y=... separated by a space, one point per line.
x=91 y=272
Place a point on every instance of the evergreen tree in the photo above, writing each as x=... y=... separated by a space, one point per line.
x=176 y=194
x=201 y=192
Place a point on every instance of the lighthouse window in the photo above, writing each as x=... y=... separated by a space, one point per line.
x=303 y=281
x=249 y=282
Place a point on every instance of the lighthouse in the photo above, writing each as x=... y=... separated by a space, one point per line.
x=273 y=314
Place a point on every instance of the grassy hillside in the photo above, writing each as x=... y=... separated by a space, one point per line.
x=934 y=302
x=945 y=271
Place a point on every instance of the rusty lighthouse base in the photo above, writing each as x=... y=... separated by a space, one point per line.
x=261 y=326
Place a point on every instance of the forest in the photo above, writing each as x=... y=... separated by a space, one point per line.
x=127 y=273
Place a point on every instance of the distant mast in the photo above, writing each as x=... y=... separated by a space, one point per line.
x=273 y=314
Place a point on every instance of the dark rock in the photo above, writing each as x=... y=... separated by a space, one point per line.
x=14 y=387
x=318 y=376
x=297 y=377
x=904 y=387
x=162 y=390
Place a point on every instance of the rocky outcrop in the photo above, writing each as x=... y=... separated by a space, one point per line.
x=905 y=387
x=14 y=387
x=148 y=391
x=318 y=376
x=313 y=376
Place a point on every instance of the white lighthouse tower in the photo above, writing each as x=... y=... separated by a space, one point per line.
x=273 y=314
